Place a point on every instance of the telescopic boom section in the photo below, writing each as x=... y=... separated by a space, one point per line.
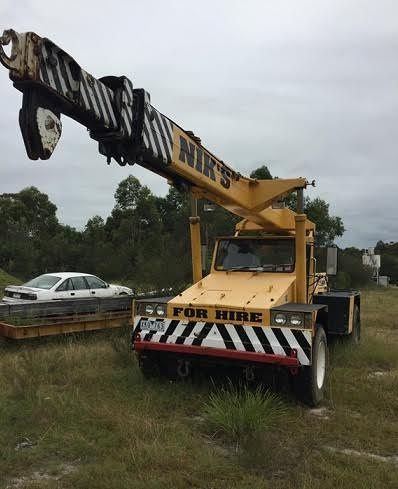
x=127 y=127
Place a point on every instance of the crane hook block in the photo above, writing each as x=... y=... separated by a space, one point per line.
x=52 y=82
x=41 y=127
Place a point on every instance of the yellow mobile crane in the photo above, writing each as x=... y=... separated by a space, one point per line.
x=261 y=302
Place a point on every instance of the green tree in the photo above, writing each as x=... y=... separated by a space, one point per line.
x=174 y=212
x=261 y=173
x=328 y=227
x=27 y=224
x=389 y=259
x=135 y=232
x=352 y=273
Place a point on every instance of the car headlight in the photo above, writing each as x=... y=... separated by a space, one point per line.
x=149 y=309
x=160 y=310
x=296 y=320
x=280 y=319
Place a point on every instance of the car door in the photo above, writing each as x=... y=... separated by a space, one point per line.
x=65 y=290
x=80 y=288
x=98 y=288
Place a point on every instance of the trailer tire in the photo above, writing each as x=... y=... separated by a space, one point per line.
x=355 y=336
x=310 y=381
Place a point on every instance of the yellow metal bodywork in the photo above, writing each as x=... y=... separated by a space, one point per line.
x=301 y=263
x=250 y=292
x=194 y=224
x=210 y=178
x=226 y=296
x=277 y=221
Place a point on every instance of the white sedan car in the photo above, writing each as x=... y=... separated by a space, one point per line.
x=64 y=285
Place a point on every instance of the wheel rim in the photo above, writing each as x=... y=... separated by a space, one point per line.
x=321 y=364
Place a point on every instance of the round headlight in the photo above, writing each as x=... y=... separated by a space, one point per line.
x=280 y=318
x=296 y=320
x=149 y=309
x=160 y=310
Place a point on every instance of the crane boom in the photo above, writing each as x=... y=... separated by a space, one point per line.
x=127 y=127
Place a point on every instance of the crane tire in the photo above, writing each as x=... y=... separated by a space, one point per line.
x=310 y=382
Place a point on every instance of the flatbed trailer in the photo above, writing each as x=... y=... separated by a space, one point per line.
x=21 y=321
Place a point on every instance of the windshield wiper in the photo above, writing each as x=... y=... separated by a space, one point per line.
x=243 y=267
x=260 y=268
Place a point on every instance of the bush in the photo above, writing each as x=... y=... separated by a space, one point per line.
x=239 y=413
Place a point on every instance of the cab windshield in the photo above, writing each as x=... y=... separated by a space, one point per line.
x=255 y=254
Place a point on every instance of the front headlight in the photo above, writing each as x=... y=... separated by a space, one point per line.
x=280 y=319
x=149 y=309
x=296 y=320
x=160 y=310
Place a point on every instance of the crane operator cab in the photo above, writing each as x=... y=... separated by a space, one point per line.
x=255 y=254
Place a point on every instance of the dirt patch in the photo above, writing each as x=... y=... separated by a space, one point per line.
x=24 y=443
x=379 y=374
x=379 y=458
x=41 y=475
x=322 y=412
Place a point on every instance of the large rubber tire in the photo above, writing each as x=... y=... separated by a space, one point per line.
x=310 y=382
x=355 y=336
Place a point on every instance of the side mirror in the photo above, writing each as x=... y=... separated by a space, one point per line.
x=331 y=260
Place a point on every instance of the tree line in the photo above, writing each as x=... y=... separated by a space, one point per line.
x=144 y=242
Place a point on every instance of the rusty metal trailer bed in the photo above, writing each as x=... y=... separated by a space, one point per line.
x=47 y=318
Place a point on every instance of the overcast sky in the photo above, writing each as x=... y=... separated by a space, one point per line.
x=309 y=88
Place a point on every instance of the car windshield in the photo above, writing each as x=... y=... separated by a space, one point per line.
x=263 y=255
x=43 y=282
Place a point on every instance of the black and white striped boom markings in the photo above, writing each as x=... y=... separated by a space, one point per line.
x=158 y=134
x=57 y=71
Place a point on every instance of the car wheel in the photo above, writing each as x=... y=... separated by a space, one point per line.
x=310 y=382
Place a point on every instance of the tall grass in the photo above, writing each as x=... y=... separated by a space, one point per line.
x=82 y=402
x=238 y=413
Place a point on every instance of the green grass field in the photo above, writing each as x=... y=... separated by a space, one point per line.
x=76 y=413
